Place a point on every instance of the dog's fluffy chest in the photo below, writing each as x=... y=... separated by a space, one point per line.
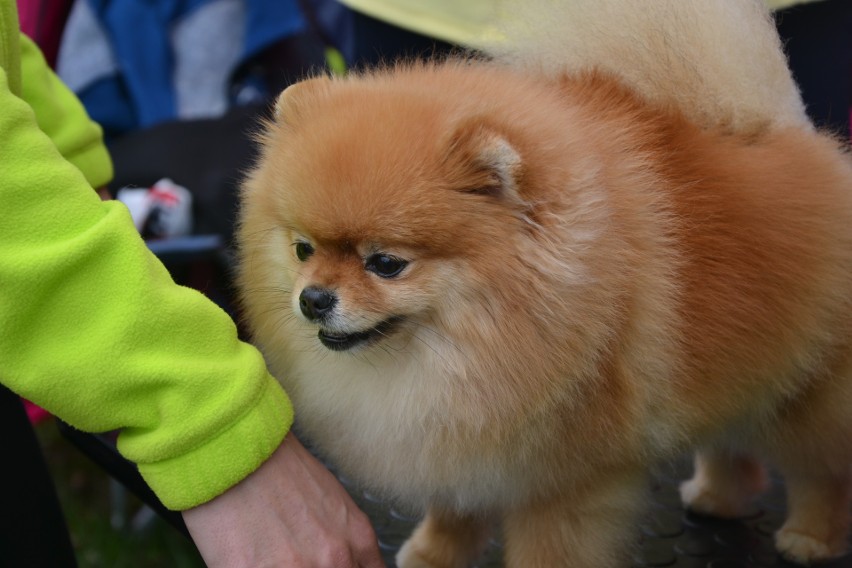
x=386 y=422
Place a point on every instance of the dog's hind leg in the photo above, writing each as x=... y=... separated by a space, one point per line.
x=812 y=448
x=818 y=504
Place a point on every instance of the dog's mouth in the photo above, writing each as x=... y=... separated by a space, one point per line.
x=344 y=342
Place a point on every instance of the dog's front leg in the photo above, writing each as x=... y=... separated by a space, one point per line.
x=591 y=528
x=445 y=539
x=724 y=483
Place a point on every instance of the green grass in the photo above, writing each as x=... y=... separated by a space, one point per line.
x=84 y=492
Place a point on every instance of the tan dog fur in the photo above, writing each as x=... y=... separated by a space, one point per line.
x=597 y=280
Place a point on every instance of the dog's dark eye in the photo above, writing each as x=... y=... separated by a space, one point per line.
x=303 y=250
x=385 y=265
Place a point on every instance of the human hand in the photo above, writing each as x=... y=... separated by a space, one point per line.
x=291 y=512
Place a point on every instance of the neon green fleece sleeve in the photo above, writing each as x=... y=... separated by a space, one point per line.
x=93 y=329
x=62 y=117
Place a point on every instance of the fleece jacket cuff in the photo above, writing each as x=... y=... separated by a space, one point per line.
x=198 y=476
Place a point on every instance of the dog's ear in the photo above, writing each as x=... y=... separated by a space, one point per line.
x=293 y=99
x=483 y=161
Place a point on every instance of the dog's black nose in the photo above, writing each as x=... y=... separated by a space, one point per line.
x=316 y=302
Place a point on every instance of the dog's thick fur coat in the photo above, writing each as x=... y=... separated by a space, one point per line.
x=601 y=262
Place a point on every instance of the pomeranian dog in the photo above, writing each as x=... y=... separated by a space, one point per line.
x=502 y=289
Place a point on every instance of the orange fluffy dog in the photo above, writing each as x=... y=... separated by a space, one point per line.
x=503 y=289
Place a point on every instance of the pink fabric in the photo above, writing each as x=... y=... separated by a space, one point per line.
x=43 y=21
x=35 y=413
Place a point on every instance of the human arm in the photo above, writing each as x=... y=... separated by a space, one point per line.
x=94 y=330
x=322 y=526
x=60 y=115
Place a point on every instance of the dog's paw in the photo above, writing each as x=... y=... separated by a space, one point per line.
x=702 y=499
x=407 y=557
x=804 y=548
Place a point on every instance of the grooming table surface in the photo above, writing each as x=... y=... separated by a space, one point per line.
x=669 y=536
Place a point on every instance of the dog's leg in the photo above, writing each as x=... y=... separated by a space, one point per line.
x=444 y=539
x=724 y=484
x=588 y=529
x=812 y=449
x=817 y=523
